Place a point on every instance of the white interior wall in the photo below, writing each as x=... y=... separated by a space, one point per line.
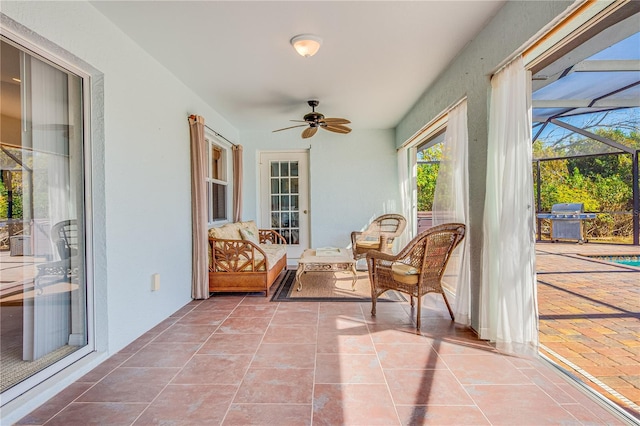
x=469 y=74
x=146 y=200
x=353 y=178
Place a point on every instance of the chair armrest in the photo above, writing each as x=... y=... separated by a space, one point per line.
x=376 y=258
x=378 y=255
x=354 y=238
x=235 y=255
x=270 y=236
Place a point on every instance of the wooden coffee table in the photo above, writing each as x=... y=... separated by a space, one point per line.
x=326 y=260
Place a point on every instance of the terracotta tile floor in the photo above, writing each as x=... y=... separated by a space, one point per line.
x=589 y=317
x=241 y=360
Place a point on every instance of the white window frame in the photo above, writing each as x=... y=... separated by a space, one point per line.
x=226 y=179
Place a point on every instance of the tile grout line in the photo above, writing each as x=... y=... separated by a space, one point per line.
x=179 y=370
x=224 y=418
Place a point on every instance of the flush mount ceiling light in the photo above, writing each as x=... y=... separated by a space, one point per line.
x=306 y=44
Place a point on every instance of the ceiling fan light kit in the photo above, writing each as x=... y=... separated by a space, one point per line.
x=315 y=120
x=306 y=45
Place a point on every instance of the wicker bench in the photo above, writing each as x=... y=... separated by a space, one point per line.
x=244 y=258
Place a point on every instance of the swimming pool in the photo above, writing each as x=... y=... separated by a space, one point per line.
x=624 y=259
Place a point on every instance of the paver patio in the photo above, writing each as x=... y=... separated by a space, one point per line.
x=589 y=317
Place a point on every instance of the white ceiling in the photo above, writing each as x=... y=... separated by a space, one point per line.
x=376 y=60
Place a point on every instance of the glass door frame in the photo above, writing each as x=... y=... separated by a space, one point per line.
x=86 y=99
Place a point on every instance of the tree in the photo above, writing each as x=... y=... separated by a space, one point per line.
x=427 y=174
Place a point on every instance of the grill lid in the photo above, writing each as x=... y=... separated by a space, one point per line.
x=567 y=208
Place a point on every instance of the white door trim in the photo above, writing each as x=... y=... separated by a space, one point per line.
x=264 y=196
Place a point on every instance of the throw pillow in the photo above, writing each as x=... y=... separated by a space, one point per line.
x=249 y=235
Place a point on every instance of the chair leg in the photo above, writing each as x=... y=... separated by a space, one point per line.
x=448 y=307
x=418 y=313
x=374 y=292
x=412 y=301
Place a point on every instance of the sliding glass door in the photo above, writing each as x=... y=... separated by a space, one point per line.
x=43 y=290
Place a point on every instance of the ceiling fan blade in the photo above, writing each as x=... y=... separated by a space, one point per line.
x=299 y=121
x=307 y=133
x=336 y=121
x=338 y=128
x=292 y=127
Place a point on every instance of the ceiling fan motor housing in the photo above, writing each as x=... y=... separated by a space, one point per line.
x=313 y=117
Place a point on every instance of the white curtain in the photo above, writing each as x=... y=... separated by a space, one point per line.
x=46 y=315
x=508 y=308
x=407 y=178
x=50 y=143
x=451 y=204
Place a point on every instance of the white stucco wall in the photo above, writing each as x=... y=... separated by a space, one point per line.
x=141 y=191
x=352 y=178
x=469 y=75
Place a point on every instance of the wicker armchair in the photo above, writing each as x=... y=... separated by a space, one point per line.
x=378 y=236
x=418 y=268
x=64 y=235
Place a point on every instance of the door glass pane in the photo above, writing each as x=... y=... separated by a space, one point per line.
x=285 y=202
x=275 y=169
x=275 y=186
x=285 y=186
x=295 y=236
x=275 y=203
x=43 y=291
x=284 y=169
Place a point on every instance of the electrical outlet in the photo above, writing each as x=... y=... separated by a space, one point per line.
x=155 y=282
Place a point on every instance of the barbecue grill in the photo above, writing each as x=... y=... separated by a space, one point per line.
x=567 y=221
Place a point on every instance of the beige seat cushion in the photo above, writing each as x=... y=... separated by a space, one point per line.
x=371 y=245
x=274 y=252
x=368 y=245
x=404 y=273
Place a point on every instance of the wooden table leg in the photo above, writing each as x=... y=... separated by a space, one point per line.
x=355 y=276
x=299 y=273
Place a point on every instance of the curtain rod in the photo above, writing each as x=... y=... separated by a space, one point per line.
x=216 y=133
x=219 y=135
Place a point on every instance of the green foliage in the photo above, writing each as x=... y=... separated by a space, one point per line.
x=427 y=175
x=426 y=182
x=603 y=183
x=3 y=201
x=16 y=197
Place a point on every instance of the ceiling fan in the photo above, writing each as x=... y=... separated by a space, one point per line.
x=317 y=120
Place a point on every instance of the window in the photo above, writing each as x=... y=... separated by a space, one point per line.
x=219 y=182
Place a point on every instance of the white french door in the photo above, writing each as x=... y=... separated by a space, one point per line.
x=284 y=198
